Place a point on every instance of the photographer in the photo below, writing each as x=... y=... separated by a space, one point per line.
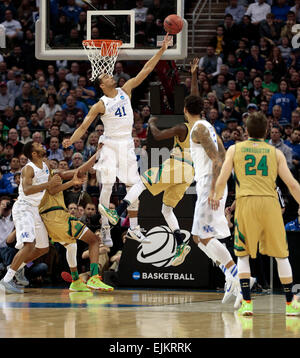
x=7 y=232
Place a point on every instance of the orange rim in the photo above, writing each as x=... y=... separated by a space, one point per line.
x=98 y=43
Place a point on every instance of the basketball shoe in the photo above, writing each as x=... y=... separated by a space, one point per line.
x=111 y=214
x=293 y=309
x=11 y=287
x=180 y=255
x=136 y=234
x=79 y=286
x=246 y=308
x=106 y=238
x=95 y=283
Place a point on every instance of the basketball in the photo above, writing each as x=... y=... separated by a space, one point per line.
x=173 y=24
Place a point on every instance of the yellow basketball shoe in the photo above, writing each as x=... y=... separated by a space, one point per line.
x=79 y=286
x=95 y=283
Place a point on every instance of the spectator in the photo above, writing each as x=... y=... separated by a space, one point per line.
x=99 y=129
x=119 y=72
x=13 y=28
x=254 y=60
x=286 y=30
x=23 y=160
x=140 y=12
x=277 y=116
x=6 y=99
x=15 y=59
x=71 y=106
x=296 y=10
x=268 y=83
x=285 y=100
x=231 y=35
x=14 y=169
x=237 y=11
x=7 y=231
x=89 y=92
x=9 y=118
x=92 y=143
x=295 y=122
x=280 y=10
x=277 y=142
x=218 y=40
x=72 y=11
x=279 y=66
x=77 y=160
x=77 y=195
x=220 y=87
x=294 y=143
x=13 y=140
x=248 y=31
x=25 y=135
x=25 y=96
x=39 y=91
x=5 y=186
x=34 y=123
x=54 y=152
x=242 y=101
x=73 y=76
x=80 y=148
x=22 y=122
x=15 y=85
x=51 y=106
x=8 y=153
x=256 y=92
x=269 y=28
x=73 y=210
x=258 y=11
x=210 y=63
x=69 y=125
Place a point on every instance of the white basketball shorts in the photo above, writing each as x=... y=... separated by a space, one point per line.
x=29 y=225
x=117 y=159
x=208 y=223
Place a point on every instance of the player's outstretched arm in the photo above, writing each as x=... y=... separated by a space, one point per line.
x=180 y=130
x=148 y=67
x=287 y=177
x=97 y=108
x=194 y=72
x=61 y=187
x=225 y=173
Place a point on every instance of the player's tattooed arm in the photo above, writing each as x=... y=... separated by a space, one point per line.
x=180 y=130
x=29 y=189
x=221 y=149
x=202 y=136
x=194 y=72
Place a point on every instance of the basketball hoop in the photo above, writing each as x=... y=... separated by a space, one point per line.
x=102 y=54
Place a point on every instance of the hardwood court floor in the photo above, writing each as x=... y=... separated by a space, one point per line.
x=57 y=313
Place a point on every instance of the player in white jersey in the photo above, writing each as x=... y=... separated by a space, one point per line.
x=31 y=234
x=117 y=157
x=208 y=153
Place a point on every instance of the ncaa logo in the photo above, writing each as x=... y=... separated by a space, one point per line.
x=162 y=248
x=136 y=275
x=122 y=97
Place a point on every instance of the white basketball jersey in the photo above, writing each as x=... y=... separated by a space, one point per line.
x=118 y=116
x=41 y=176
x=202 y=163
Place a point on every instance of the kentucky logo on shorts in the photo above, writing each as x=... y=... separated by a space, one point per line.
x=208 y=228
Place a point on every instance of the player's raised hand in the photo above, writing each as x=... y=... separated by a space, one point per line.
x=66 y=143
x=194 y=65
x=167 y=41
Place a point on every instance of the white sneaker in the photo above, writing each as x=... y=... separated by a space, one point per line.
x=106 y=238
x=136 y=234
x=239 y=295
x=230 y=288
x=20 y=277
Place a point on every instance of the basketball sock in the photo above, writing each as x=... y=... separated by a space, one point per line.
x=75 y=275
x=218 y=251
x=287 y=288
x=178 y=237
x=9 y=275
x=133 y=222
x=94 y=269
x=134 y=192
x=170 y=217
x=232 y=271
x=122 y=207
x=245 y=287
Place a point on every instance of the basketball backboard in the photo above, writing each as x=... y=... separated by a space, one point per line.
x=57 y=39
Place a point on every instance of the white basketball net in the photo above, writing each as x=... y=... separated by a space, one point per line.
x=102 y=54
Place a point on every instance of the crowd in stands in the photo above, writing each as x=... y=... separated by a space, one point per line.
x=250 y=65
